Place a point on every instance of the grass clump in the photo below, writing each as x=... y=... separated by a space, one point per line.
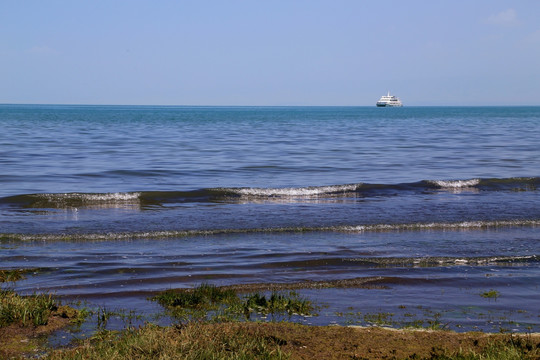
x=227 y=305
x=290 y=303
x=204 y=296
x=510 y=349
x=27 y=310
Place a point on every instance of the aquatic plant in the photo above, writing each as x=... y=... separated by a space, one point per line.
x=379 y=319
x=226 y=304
x=491 y=294
x=289 y=303
x=13 y=275
x=203 y=296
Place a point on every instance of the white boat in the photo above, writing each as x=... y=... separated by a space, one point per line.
x=389 y=101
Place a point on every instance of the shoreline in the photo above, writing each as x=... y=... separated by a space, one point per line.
x=284 y=340
x=208 y=319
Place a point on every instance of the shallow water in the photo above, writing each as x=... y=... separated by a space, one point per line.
x=442 y=271
x=116 y=203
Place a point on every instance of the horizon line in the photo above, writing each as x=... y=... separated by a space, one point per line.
x=237 y=106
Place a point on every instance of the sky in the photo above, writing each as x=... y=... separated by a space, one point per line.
x=270 y=53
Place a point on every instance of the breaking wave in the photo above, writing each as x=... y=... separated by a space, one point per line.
x=436 y=261
x=456 y=184
x=241 y=194
x=74 y=200
x=312 y=191
x=164 y=234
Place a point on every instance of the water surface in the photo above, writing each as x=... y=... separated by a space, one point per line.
x=116 y=203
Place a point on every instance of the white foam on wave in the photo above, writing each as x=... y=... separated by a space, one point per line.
x=303 y=191
x=161 y=234
x=464 y=225
x=91 y=200
x=92 y=197
x=455 y=184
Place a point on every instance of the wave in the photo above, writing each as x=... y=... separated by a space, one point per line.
x=311 y=191
x=437 y=261
x=164 y=234
x=292 y=194
x=455 y=184
x=74 y=200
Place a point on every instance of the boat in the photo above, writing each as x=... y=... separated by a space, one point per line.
x=389 y=101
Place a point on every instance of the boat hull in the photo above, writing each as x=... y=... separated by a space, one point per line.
x=389 y=105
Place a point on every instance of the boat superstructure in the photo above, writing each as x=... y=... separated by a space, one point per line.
x=389 y=101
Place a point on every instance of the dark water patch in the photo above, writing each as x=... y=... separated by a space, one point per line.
x=323 y=262
x=360 y=282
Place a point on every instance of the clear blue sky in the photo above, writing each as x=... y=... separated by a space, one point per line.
x=229 y=52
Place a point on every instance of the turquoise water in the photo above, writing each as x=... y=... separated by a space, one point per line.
x=118 y=202
x=56 y=149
